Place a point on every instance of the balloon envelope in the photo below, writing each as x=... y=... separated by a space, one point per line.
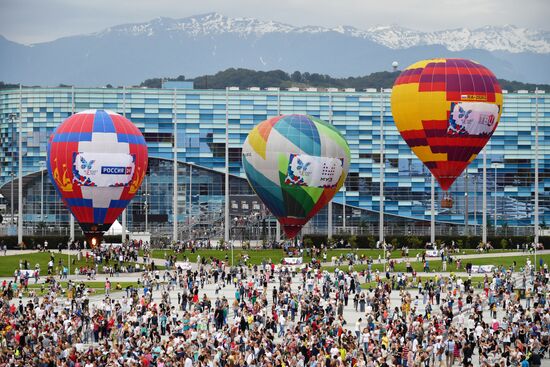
x=446 y=110
x=96 y=160
x=296 y=164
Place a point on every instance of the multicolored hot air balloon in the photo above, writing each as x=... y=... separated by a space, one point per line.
x=446 y=110
x=96 y=160
x=296 y=164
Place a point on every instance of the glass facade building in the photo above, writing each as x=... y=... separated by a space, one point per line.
x=199 y=117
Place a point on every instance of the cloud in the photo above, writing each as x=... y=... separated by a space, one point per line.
x=31 y=21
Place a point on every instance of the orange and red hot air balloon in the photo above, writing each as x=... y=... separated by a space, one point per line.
x=96 y=160
x=446 y=110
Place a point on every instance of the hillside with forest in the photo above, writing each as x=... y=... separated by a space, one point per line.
x=246 y=78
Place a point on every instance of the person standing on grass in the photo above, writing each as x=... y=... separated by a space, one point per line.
x=107 y=286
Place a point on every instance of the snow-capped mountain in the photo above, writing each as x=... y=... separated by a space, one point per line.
x=164 y=47
x=506 y=38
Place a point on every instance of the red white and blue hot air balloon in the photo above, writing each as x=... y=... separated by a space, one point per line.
x=96 y=160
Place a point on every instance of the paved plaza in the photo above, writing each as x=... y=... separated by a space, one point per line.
x=329 y=286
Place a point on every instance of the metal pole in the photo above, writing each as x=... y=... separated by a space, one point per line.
x=146 y=204
x=71 y=226
x=495 y=211
x=466 y=211
x=227 y=222
x=11 y=117
x=432 y=210
x=41 y=191
x=381 y=193
x=277 y=224
x=329 y=214
x=537 y=231
x=20 y=186
x=190 y=213
x=475 y=204
x=232 y=248
x=484 y=198
x=123 y=218
x=71 y=217
x=344 y=209
x=175 y=170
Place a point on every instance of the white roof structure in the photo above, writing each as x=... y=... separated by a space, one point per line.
x=115 y=229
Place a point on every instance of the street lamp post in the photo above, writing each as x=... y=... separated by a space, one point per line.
x=475 y=205
x=175 y=169
x=381 y=193
x=495 y=211
x=536 y=219
x=329 y=208
x=20 y=186
x=146 y=204
x=537 y=231
x=466 y=209
x=71 y=216
x=432 y=210
x=226 y=191
x=484 y=199
x=190 y=204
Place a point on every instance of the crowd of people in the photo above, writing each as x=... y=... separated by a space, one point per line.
x=268 y=315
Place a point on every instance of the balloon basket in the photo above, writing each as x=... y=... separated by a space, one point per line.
x=447 y=202
x=94 y=239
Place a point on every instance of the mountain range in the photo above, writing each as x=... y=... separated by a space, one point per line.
x=165 y=47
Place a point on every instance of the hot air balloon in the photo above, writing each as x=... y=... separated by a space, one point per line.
x=296 y=164
x=446 y=110
x=96 y=160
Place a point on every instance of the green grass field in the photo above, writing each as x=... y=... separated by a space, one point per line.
x=8 y=264
x=257 y=255
x=475 y=281
x=98 y=288
x=436 y=265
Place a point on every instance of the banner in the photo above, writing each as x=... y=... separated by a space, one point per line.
x=307 y=170
x=482 y=269
x=292 y=261
x=432 y=253
x=102 y=169
x=472 y=118
x=183 y=265
x=28 y=272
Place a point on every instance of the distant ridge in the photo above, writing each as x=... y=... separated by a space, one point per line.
x=245 y=78
x=204 y=44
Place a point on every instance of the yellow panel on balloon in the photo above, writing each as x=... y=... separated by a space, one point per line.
x=257 y=142
x=423 y=63
x=426 y=155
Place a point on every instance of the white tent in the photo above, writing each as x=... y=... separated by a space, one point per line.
x=116 y=229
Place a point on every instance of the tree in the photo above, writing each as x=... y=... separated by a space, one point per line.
x=353 y=241
x=371 y=241
x=296 y=77
x=414 y=241
x=152 y=83
x=503 y=244
x=244 y=78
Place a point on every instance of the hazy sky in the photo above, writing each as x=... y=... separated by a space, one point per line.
x=31 y=21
